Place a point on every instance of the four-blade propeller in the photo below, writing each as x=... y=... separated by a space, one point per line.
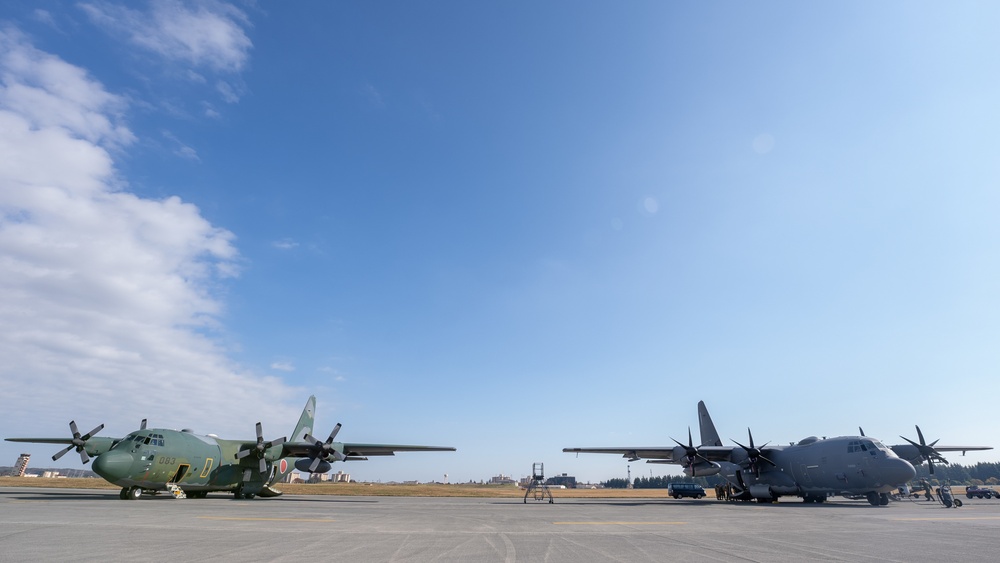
x=79 y=442
x=258 y=450
x=326 y=449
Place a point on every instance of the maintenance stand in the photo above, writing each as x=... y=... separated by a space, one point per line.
x=537 y=487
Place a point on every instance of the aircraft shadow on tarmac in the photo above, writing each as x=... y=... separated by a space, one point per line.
x=324 y=499
x=830 y=505
x=71 y=496
x=55 y=494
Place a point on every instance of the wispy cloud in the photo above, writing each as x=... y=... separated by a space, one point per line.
x=373 y=95
x=180 y=149
x=334 y=374
x=205 y=34
x=45 y=17
x=283 y=366
x=106 y=298
x=285 y=244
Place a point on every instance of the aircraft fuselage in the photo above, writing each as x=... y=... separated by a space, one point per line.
x=151 y=459
x=815 y=468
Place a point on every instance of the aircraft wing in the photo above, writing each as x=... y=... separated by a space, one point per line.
x=664 y=454
x=962 y=449
x=912 y=452
x=631 y=453
x=41 y=440
x=310 y=449
x=365 y=450
x=87 y=446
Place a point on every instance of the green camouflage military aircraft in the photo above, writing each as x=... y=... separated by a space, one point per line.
x=192 y=465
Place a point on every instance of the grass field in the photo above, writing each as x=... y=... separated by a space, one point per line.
x=366 y=489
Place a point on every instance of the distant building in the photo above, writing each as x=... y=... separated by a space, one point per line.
x=502 y=479
x=22 y=465
x=563 y=480
x=341 y=477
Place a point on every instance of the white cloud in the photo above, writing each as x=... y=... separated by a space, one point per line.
x=205 y=34
x=373 y=95
x=180 y=149
x=106 y=298
x=230 y=93
x=283 y=366
x=285 y=244
x=45 y=17
x=52 y=94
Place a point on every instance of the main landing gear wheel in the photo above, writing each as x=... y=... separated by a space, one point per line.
x=130 y=493
x=876 y=499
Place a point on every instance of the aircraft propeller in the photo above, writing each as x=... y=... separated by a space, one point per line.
x=79 y=442
x=326 y=449
x=926 y=450
x=691 y=452
x=258 y=450
x=754 y=455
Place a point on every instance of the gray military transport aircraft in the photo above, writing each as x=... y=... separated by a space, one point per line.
x=813 y=468
x=192 y=465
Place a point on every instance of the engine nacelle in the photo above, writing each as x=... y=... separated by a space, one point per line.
x=739 y=456
x=761 y=491
x=702 y=469
x=303 y=465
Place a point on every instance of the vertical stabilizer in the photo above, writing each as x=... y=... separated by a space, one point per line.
x=709 y=436
x=304 y=426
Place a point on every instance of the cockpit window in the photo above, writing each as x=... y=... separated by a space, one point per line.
x=866 y=445
x=874 y=445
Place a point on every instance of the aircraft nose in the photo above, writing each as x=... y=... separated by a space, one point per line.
x=113 y=465
x=901 y=471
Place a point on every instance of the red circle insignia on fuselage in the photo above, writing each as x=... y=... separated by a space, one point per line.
x=283 y=466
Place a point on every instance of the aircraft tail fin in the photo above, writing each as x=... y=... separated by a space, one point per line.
x=304 y=426
x=709 y=436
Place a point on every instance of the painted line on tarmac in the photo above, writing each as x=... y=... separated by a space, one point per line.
x=266 y=519
x=945 y=519
x=619 y=523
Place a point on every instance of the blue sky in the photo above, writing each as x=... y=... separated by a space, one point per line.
x=504 y=227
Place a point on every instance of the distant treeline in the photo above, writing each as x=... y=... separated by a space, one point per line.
x=978 y=474
x=954 y=474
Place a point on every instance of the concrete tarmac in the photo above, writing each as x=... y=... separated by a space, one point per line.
x=94 y=525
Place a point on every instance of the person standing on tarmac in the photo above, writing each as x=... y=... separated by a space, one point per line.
x=927 y=489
